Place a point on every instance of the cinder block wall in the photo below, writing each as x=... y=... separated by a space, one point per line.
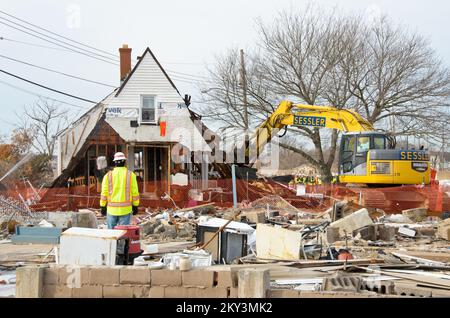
x=52 y=281
x=123 y=281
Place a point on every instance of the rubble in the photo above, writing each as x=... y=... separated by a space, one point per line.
x=352 y=222
x=355 y=251
x=443 y=229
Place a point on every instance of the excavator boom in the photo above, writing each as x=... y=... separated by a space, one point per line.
x=290 y=114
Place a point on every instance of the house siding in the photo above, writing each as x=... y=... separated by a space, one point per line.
x=149 y=79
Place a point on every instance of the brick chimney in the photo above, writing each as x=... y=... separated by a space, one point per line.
x=125 y=61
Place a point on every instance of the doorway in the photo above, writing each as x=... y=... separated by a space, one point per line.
x=157 y=169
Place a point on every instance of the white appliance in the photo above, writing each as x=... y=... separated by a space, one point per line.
x=84 y=246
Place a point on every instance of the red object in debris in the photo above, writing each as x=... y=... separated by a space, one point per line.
x=433 y=173
x=345 y=255
x=133 y=236
x=191 y=203
x=162 y=128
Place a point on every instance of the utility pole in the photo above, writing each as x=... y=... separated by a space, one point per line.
x=244 y=90
x=244 y=99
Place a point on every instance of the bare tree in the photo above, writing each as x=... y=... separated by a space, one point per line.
x=45 y=120
x=399 y=84
x=390 y=76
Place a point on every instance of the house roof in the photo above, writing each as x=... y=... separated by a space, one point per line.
x=147 y=50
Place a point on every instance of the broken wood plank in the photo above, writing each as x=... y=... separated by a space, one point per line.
x=196 y=207
x=418 y=259
x=413 y=277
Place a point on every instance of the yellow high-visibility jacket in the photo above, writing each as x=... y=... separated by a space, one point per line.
x=119 y=191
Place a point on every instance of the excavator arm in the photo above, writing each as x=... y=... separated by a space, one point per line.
x=290 y=114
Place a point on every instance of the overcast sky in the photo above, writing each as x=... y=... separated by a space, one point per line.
x=184 y=35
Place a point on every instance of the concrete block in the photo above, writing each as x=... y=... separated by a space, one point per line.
x=333 y=235
x=352 y=222
x=51 y=276
x=102 y=275
x=156 y=292
x=227 y=278
x=141 y=291
x=316 y=294
x=175 y=292
x=118 y=291
x=368 y=233
x=57 y=291
x=386 y=233
x=165 y=277
x=253 y=283
x=216 y=292
x=254 y=216
x=416 y=214
x=88 y=291
x=233 y=292
x=29 y=282
x=427 y=231
x=443 y=230
x=198 y=278
x=195 y=292
x=408 y=289
x=342 y=283
x=283 y=293
x=440 y=293
x=135 y=275
x=74 y=276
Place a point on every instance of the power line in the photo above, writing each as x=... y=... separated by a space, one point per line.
x=34 y=44
x=39 y=95
x=55 y=71
x=61 y=36
x=80 y=43
x=43 y=39
x=46 y=87
x=53 y=38
x=187 y=75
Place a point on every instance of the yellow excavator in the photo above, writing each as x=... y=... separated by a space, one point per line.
x=365 y=155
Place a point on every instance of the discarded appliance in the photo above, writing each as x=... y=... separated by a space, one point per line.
x=43 y=235
x=130 y=246
x=197 y=258
x=228 y=245
x=84 y=246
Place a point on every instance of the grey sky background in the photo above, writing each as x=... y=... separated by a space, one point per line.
x=184 y=35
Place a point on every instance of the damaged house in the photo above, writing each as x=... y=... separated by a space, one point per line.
x=148 y=120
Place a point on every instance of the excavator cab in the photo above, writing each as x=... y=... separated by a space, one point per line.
x=371 y=158
x=354 y=148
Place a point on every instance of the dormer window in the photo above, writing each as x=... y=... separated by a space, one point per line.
x=148 y=109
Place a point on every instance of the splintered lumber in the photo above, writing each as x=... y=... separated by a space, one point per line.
x=416 y=277
x=323 y=263
x=418 y=259
x=196 y=207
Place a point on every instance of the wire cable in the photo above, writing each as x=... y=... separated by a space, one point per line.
x=46 y=87
x=55 y=39
x=39 y=95
x=61 y=36
x=46 y=40
x=35 y=45
x=55 y=71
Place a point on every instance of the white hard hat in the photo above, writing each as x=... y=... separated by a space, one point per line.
x=119 y=156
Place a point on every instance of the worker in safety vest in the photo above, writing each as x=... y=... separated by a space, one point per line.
x=120 y=193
